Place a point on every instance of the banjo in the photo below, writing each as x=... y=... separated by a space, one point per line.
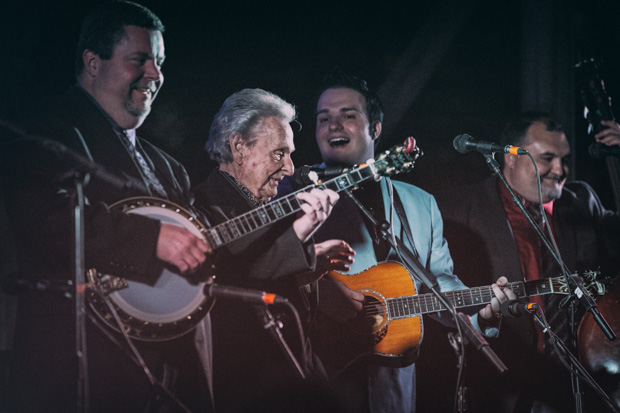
x=174 y=304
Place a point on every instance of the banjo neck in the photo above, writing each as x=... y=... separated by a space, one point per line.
x=395 y=160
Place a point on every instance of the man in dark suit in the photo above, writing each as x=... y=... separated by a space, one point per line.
x=489 y=236
x=119 y=73
x=252 y=141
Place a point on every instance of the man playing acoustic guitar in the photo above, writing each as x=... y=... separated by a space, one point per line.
x=587 y=235
x=349 y=120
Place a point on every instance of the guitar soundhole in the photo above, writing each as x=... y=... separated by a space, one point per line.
x=372 y=316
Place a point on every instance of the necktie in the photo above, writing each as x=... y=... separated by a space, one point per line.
x=147 y=172
x=557 y=317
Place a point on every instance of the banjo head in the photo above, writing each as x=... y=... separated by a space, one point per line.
x=170 y=307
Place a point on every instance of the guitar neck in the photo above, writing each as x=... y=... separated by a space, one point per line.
x=251 y=221
x=414 y=305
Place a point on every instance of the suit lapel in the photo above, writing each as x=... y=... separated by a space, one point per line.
x=566 y=233
x=490 y=214
x=103 y=144
x=164 y=172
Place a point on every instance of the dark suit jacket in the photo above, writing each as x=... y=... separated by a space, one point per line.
x=40 y=207
x=258 y=258
x=35 y=193
x=249 y=365
x=483 y=248
x=585 y=231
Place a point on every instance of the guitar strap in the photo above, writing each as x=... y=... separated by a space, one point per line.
x=370 y=195
x=400 y=211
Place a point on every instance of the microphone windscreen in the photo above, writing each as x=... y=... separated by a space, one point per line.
x=460 y=142
x=507 y=309
x=301 y=175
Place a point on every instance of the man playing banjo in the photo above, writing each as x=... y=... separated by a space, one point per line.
x=119 y=73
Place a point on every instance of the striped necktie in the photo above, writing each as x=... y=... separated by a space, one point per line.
x=147 y=172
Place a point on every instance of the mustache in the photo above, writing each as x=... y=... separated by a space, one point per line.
x=140 y=83
x=550 y=175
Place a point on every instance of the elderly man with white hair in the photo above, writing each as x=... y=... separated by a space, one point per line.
x=251 y=139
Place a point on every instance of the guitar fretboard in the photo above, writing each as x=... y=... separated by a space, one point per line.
x=414 y=305
x=392 y=161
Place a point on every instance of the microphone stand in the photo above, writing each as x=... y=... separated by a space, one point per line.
x=575 y=367
x=75 y=174
x=79 y=181
x=420 y=273
x=274 y=326
x=576 y=289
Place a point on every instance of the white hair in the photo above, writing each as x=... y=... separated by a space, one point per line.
x=240 y=113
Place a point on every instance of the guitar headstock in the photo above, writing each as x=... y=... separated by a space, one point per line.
x=590 y=282
x=398 y=159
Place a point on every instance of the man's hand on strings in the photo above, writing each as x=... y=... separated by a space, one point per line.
x=316 y=206
x=179 y=247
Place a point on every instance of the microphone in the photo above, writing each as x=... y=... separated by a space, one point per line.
x=306 y=175
x=465 y=143
x=600 y=150
x=243 y=294
x=516 y=308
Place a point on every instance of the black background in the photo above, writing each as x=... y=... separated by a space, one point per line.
x=472 y=83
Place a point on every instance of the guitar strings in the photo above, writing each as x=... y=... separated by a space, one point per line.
x=416 y=302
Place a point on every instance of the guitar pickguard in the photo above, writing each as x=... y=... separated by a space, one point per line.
x=380 y=335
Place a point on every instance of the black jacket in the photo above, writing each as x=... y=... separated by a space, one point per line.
x=483 y=248
x=249 y=364
x=39 y=205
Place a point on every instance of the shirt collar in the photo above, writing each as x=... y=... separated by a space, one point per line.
x=505 y=194
x=244 y=189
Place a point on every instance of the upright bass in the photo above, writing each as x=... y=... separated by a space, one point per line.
x=598 y=108
x=599 y=355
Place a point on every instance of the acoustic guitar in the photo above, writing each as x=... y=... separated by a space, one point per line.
x=390 y=326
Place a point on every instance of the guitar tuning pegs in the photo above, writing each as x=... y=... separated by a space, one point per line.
x=409 y=144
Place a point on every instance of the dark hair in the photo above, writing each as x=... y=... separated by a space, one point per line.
x=374 y=108
x=104 y=27
x=515 y=130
